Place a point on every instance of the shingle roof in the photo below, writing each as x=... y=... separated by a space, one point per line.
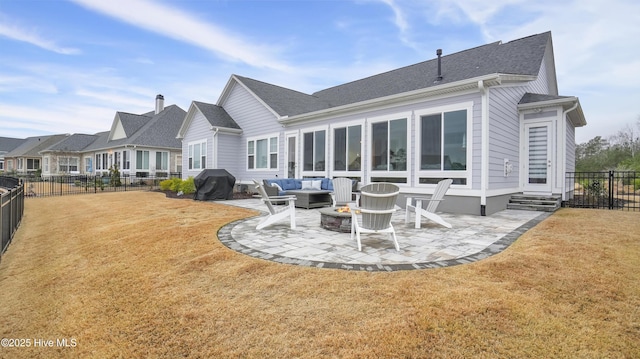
x=161 y=130
x=9 y=144
x=74 y=143
x=131 y=122
x=216 y=115
x=32 y=146
x=519 y=57
x=536 y=97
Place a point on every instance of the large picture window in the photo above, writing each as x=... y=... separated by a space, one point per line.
x=162 y=161
x=197 y=155
x=68 y=164
x=347 y=145
x=314 y=150
x=443 y=148
x=389 y=145
x=262 y=153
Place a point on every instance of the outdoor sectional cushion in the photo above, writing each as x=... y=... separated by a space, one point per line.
x=287 y=184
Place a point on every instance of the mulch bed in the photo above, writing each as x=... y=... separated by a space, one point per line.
x=171 y=194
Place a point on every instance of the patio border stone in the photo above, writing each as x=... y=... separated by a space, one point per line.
x=226 y=238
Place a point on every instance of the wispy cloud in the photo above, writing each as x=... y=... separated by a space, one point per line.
x=183 y=26
x=33 y=37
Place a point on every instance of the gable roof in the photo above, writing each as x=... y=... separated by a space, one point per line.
x=518 y=60
x=130 y=122
x=32 y=146
x=8 y=143
x=74 y=143
x=216 y=116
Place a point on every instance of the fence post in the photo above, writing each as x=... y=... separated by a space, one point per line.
x=611 y=178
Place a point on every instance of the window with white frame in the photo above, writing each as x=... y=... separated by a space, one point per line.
x=126 y=160
x=262 y=153
x=443 y=150
x=178 y=163
x=46 y=164
x=198 y=155
x=68 y=164
x=162 y=161
x=33 y=163
x=88 y=168
x=347 y=148
x=142 y=160
x=20 y=163
x=389 y=150
x=314 y=151
x=117 y=159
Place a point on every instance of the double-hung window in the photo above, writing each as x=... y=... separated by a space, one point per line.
x=443 y=150
x=68 y=164
x=262 y=153
x=198 y=155
x=389 y=149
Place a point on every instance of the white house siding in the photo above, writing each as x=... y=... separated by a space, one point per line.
x=198 y=130
x=255 y=120
x=542 y=84
x=504 y=136
x=570 y=157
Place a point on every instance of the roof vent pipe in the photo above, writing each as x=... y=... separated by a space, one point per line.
x=439 y=53
x=159 y=104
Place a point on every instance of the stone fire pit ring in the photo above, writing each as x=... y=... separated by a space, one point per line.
x=332 y=220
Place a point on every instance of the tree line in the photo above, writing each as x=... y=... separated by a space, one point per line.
x=619 y=152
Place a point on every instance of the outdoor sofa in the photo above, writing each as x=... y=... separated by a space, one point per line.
x=309 y=192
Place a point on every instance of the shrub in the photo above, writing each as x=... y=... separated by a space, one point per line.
x=188 y=186
x=176 y=184
x=636 y=184
x=166 y=185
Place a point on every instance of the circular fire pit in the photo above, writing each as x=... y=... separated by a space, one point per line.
x=333 y=220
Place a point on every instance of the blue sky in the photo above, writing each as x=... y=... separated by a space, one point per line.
x=68 y=66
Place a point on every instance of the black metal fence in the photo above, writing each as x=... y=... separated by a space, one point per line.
x=617 y=190
x=81 y=184
x=11 y=209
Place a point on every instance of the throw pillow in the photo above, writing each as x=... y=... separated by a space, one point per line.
x=306 y=185
x=316 y=184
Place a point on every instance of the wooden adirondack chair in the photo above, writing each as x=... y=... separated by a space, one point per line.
x=343 y=192
x=276 y=213
x=377 y=204
x=430 y=211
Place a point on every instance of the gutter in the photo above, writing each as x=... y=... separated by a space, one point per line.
x=564 y=149
x=458 y=86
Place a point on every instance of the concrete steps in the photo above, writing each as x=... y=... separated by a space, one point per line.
x=534 y=202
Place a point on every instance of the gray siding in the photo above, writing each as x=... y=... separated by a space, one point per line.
x=228 y=154
x=570 y=156
x=198 y=130
x=504 y=136
x=255 y=120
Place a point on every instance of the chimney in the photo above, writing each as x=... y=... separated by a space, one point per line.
x=439 y=53
x=159 y=104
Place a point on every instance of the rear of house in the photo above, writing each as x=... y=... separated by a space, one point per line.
x=489 y=117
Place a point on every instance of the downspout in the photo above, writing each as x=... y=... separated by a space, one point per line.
x=564 y=150
x=214 y=147
x=484 y=167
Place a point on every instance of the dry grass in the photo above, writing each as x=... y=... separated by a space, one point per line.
x=139 y=275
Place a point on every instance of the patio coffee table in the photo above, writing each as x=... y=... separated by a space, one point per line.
x=311 y=198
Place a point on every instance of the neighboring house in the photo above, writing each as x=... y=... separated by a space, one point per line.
x=65 y=157
x=8 y=144
x=26 y=158
x=140 y=145
x=489 y=117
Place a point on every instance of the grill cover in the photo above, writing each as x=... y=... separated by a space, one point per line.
x=214 y=184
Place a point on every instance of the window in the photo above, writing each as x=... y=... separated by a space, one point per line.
x=67 y=164
x=46 y=164
x=142 y=160
x=197 y=155
x=33 y=163
x=117 y=159
x=178 y=163
x=313 y=144
x=126 y=160
x=262 y=153
x=162 y=161
x=20 y=163
x=389 y=145
x=443 y=150
x=347 y=144
x=87 y=165
x=444 y=141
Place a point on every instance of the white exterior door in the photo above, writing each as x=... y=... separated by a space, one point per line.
x=538 y=162
x=291 y=155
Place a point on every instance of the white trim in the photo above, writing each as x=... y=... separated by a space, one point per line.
x=255 y=139
x=346 y=124
x=370 y=173
x=202 y=165
x=327 y=140
x=466 y=174
x=296 y=159
x=484 y=146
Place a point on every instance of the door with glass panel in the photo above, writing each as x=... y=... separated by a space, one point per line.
x=291 y=155
x=538 y=157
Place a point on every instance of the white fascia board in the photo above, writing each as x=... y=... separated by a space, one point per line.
x=459 y=86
